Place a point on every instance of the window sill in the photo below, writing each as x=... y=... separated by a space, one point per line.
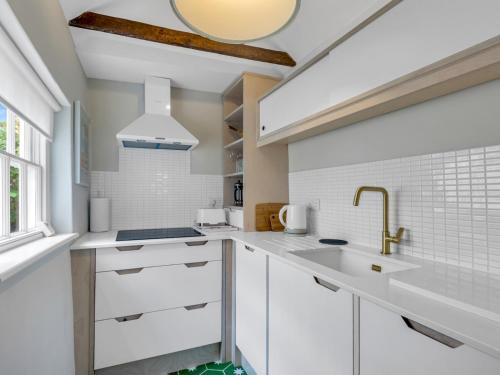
x=18 y=258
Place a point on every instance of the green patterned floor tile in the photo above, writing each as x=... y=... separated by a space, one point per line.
x=194 y=371
x=218 y=365
x=215 y=368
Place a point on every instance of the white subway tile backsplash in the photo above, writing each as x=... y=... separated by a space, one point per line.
x=154 y=189
x=449 y=204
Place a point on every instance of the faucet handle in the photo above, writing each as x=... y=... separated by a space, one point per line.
x=399 y=234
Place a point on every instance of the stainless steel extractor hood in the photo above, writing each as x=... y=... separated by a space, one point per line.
x=157 y=129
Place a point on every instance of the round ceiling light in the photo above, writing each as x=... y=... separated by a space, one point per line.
x=236 y=21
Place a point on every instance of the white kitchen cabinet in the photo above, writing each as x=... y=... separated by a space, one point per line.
x=310 y=325
x=141 y=290
x=389 y=347
x=251 y=306
x=126 y=257
x=156 y=299
x=148 y=335
x=302 y=96
x=412 y=35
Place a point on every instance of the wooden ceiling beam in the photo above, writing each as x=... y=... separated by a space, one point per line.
x=157 y=34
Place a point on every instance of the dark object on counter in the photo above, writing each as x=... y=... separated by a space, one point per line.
x=153 y=234
x=330 y=241
x=238 y=193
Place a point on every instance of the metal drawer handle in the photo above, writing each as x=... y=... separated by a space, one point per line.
x=128 y=318
x=196 y=307
x=129 y=271
x=431 y=333
x=196 y=264
x=129 y=248
x=249 y=248
x=326 y=284
x=196 y=243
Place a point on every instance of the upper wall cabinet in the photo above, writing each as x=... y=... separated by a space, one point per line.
x=417 y=50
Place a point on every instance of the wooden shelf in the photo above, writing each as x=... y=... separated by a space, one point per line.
x=235 y=174
x=235 y=207
x=235 y=117
x=238 y=144
x=234 y=92
x=265 y=173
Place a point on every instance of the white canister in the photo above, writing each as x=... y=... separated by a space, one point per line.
x=100 y=214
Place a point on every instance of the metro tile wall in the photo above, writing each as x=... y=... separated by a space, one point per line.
x=154 y=189
x=449 y=203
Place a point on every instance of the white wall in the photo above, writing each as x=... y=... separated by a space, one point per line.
x=155 y=189
x=448 y=203
x=36 y=314
x=466 y=119
x=36 y=319
x=47 y=29
x=114 y=105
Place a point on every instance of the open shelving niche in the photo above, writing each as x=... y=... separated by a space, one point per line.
x=233 y=137
x=265 y=172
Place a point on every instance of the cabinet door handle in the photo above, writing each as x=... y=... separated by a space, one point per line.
x=196 y=264
x=249 y=248
x=129 y=271
x=196 y=243
x=326 y=284
x=196 y=307
x=129 y=248
x=128 y=318
x=431 y=333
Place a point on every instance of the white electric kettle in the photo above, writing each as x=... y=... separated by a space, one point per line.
x=296 y=218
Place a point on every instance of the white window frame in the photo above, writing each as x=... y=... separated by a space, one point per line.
x=32 y=158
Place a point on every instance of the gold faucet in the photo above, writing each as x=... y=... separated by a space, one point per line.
x=386 y=236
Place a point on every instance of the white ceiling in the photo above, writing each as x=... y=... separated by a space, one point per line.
x=106 y=56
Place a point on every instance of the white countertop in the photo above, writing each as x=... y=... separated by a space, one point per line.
x=17 y=259
x=459 y=302
x=108 y=239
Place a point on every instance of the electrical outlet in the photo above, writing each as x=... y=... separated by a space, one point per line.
x=314 y=205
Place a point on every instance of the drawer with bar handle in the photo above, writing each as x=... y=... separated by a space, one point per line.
x=139 y=290
x=129 y=257
x=130 y=338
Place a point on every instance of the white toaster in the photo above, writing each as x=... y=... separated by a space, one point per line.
x=211 y=216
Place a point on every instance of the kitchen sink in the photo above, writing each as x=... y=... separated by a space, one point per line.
x=352 y=262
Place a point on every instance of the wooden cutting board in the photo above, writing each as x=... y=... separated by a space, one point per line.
x=276 y=225
x=263 y=212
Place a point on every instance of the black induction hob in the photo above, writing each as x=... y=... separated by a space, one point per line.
x=153 y=234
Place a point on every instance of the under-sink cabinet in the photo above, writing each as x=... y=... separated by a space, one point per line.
x=251 y=306
x=391 y=344
x=156 y=299
x=310 y=324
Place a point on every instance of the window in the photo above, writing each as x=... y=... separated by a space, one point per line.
x=22 y=175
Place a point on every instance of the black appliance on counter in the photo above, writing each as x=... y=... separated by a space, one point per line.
x=238 y=193
x=154 y=234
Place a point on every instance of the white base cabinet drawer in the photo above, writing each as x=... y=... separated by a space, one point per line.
x=156 y=333
x=389 y=347
x=133 y=291
x=119 y=258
